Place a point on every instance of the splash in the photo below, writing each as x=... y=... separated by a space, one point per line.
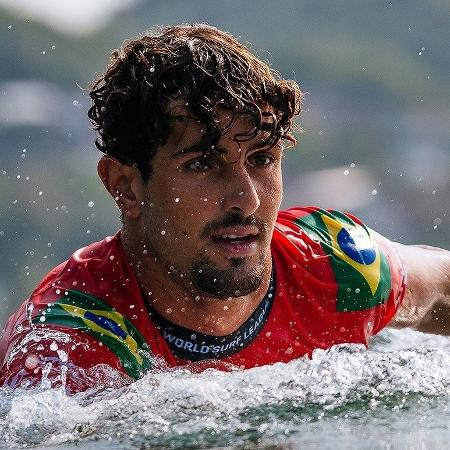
x=345 y=388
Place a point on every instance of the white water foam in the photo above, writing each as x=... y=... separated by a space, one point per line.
x=339 y=391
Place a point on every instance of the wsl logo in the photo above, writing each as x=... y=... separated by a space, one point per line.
x=361 y=270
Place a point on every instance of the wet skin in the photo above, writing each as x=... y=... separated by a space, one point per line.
x=198 y=232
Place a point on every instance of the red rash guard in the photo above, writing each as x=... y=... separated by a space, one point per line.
x=334 y=281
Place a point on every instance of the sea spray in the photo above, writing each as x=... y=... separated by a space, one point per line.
x=346 y=389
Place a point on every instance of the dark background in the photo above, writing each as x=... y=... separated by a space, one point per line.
x=376 y=115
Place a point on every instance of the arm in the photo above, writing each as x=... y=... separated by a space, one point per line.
x=426 y=305
x=55 y=357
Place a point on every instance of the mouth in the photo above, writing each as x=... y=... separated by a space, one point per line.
x=237 y=241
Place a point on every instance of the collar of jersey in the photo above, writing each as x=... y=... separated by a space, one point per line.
x=193 y=346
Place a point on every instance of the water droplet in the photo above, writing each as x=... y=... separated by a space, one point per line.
x=352 y=165
x=53 y=47
x=163 y=232
x=152 y=69
x=91 y=204
x=9 y=27
x=42 y=319
x=75 y=103
x=31 y=362
x=374 y=192
x=169 y=310
x=177 y=200
x=58 y=291
x=346 y=172
x=111 y=257
x=193 y=336
x=40 y=193
x=357 y=290
x=62 y=355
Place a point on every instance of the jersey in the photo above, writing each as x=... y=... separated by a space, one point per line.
x=88 y=324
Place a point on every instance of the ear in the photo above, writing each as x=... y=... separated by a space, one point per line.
x=124 y=183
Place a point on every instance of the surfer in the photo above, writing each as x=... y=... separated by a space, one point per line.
x=206 y=270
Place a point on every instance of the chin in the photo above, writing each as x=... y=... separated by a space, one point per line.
x=234 y=281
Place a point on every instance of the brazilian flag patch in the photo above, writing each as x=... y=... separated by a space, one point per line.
x=90 y=314
x=361 y=270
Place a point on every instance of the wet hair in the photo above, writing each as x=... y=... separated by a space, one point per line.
x=204 y=67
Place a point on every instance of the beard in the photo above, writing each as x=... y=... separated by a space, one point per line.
x=235 y=281
x=225 y=283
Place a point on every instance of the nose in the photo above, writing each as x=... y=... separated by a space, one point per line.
x=241 y=195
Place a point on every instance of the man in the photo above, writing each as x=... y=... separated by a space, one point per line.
x=206 y=271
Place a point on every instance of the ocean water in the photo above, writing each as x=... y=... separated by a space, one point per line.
x=396 y=395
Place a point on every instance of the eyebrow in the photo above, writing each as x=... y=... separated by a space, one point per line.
x=199 y=148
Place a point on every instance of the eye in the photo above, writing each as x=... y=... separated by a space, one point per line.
x=199 y=165
x=261 y=159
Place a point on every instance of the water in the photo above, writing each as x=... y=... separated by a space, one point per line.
x=393 y=396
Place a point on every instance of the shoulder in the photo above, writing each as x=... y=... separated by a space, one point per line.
x=338 y=249
x=84 y=264
x=74 y=330
x=76 y=315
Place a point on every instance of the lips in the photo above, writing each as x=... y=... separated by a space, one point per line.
x=237 y=241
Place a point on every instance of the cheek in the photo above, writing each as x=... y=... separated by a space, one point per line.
x=183 y=217
x=273 y=192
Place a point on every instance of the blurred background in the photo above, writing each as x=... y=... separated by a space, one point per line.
x=376 y=115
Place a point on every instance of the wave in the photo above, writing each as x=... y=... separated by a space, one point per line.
x=402 y=372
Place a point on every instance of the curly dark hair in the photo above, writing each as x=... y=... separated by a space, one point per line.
x=200 y=64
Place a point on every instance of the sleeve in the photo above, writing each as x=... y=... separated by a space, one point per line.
x=365 y=269
x=72 y=338
x=52 y=356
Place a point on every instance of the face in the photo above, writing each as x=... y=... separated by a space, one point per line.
x=208 y=217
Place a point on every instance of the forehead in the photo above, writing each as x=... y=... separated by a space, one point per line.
x=233 y=125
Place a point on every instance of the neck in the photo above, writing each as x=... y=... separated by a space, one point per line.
x=173 y=300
